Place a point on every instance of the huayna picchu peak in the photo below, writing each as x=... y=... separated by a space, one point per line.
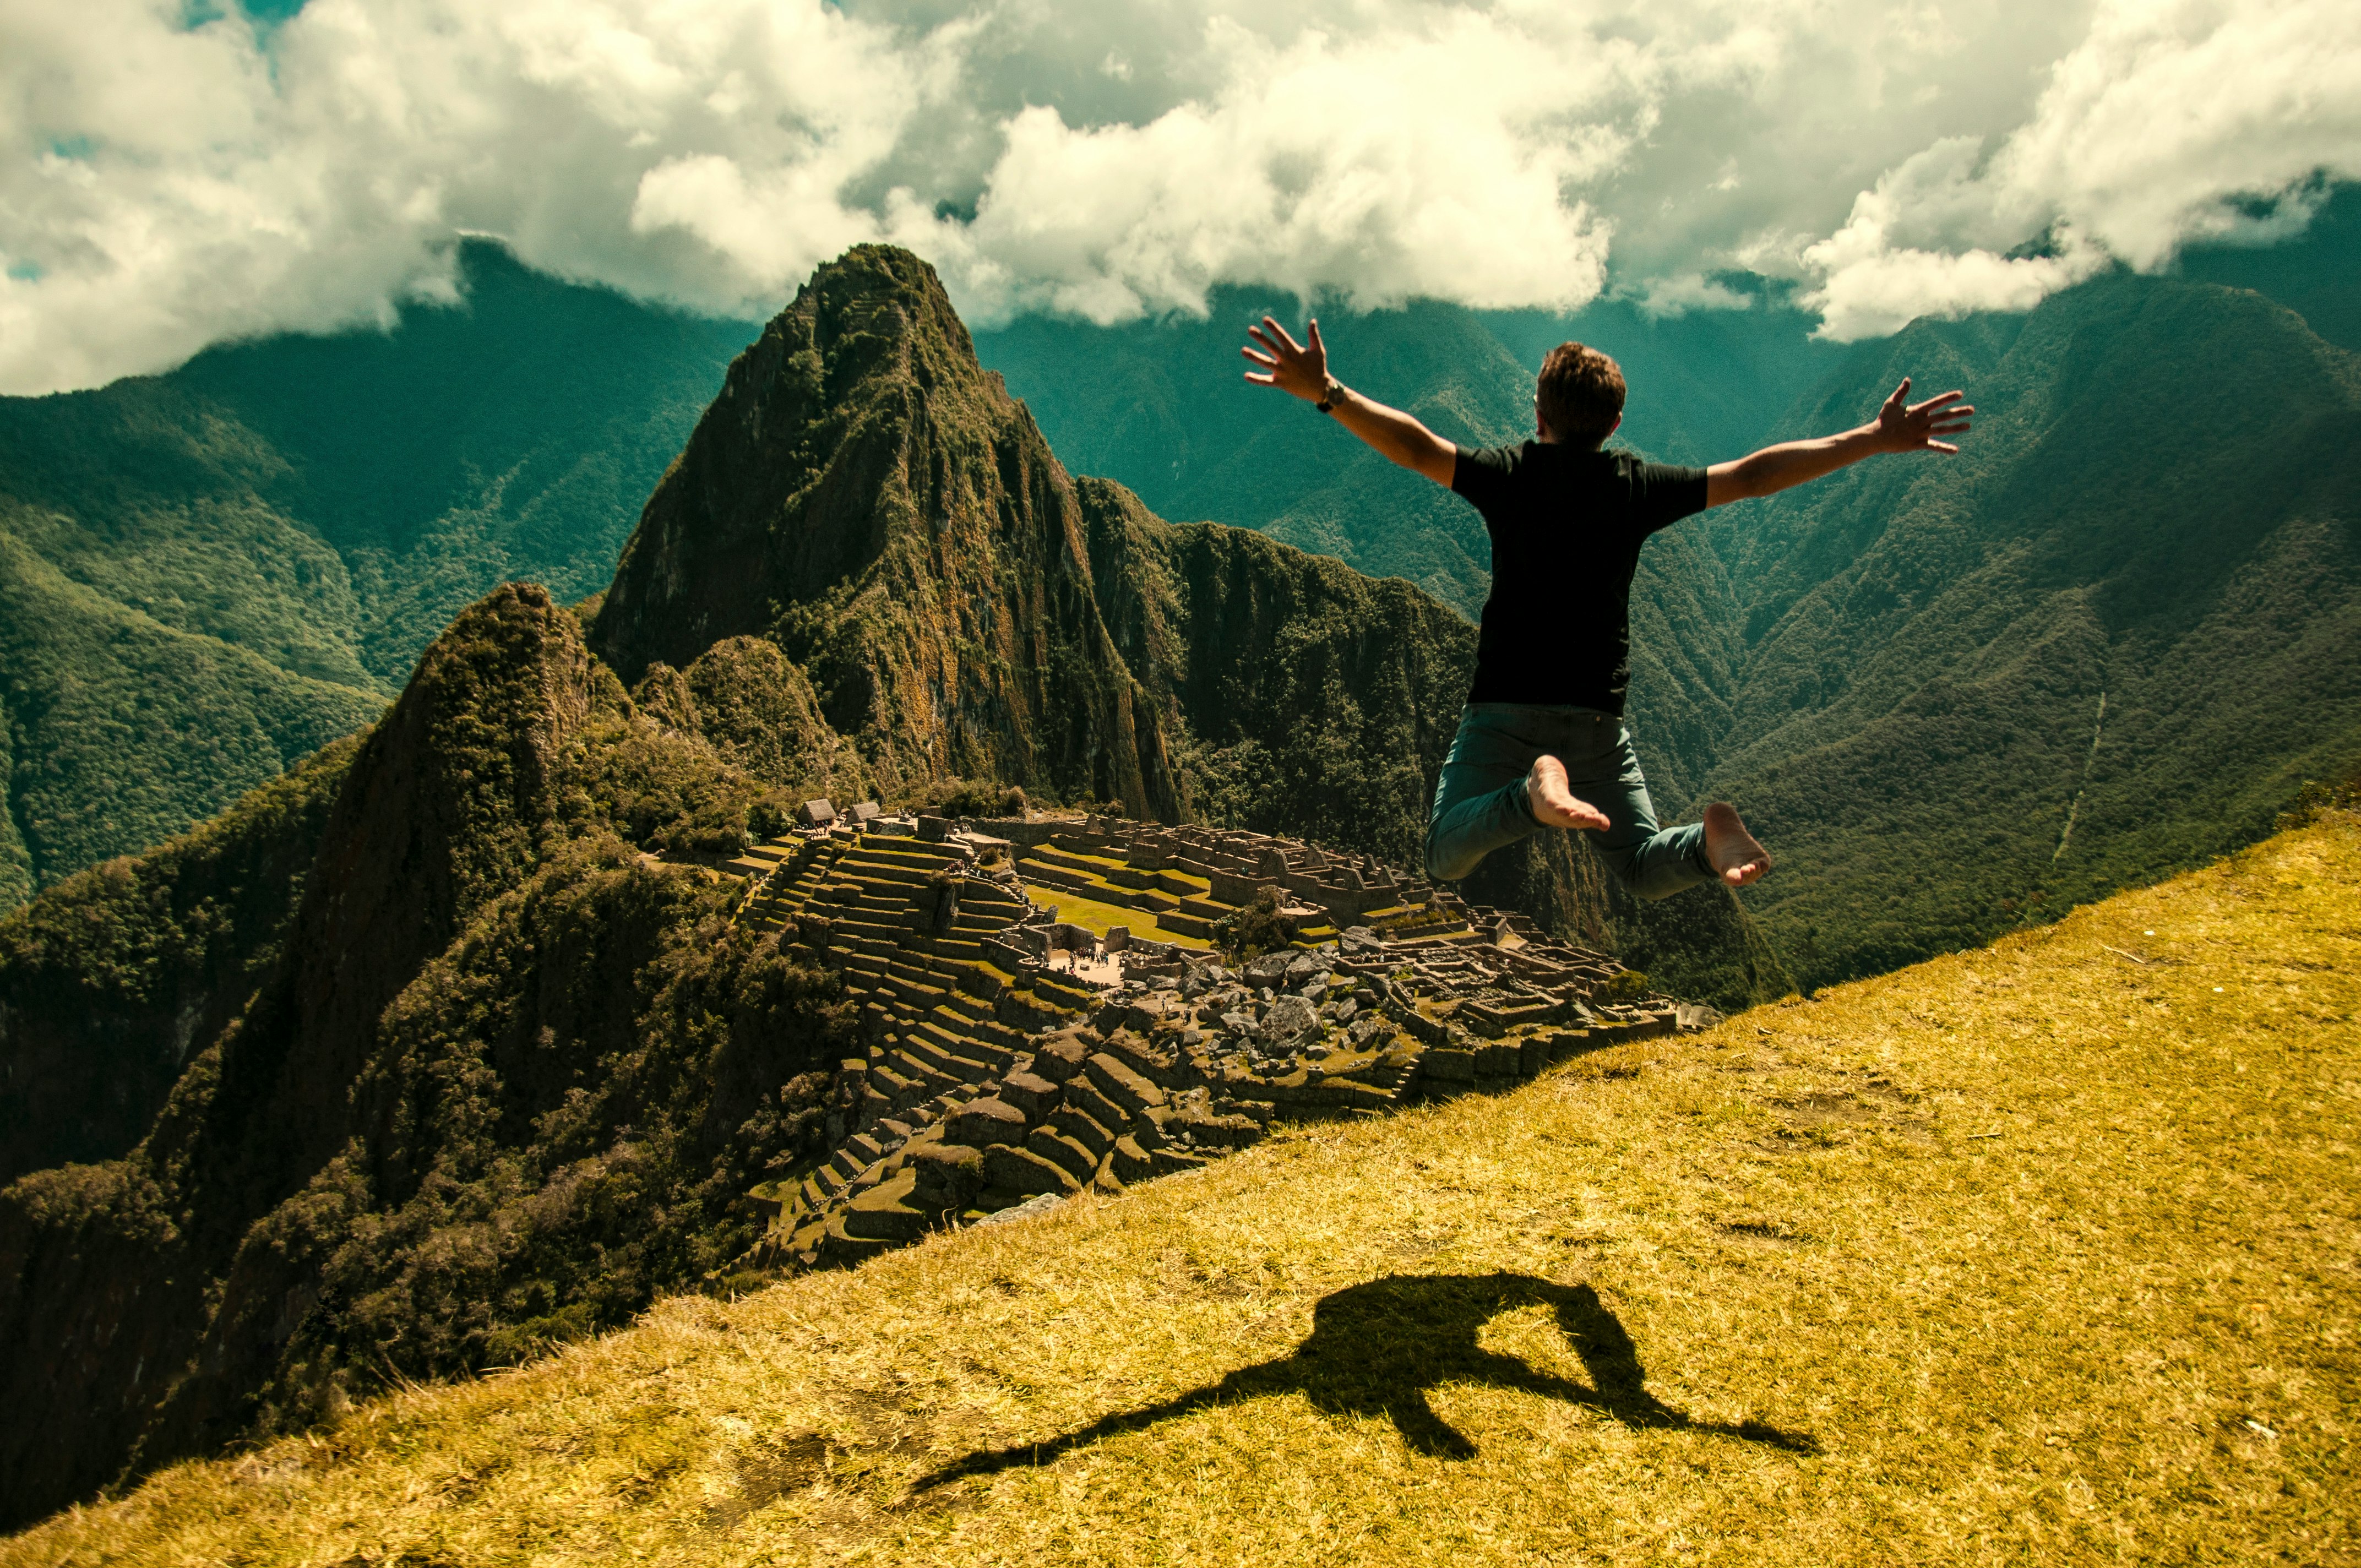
x=866 y=493
x=463 y=1041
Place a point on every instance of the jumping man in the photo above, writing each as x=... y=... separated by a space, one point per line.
x=1542 y=741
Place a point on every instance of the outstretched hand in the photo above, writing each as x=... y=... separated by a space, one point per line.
x=1297 y=369
x=1914 y=427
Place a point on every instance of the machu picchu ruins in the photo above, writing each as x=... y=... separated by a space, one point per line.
x=1023 y=1042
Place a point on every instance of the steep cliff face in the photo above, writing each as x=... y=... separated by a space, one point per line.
x=111 y=982
x=866 y=495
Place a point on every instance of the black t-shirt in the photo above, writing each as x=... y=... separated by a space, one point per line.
x=1566 y=526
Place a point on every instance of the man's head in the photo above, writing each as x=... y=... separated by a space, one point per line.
x=1579 y=399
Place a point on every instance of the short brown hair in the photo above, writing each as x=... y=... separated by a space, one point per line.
x=1581 y=393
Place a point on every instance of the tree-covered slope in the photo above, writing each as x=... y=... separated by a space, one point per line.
x=210 y=573
x=121 y=728
x=112 y=981
x=2106 y=641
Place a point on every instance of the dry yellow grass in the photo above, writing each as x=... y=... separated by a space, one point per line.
x=2043 y=1254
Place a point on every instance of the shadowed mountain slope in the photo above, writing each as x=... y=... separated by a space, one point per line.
x=482 y=1079
x=111 y=981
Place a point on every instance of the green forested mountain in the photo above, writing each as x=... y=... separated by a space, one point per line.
x=207 y=575
x=2110 y=640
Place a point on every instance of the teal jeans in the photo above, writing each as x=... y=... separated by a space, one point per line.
x=1480 y=802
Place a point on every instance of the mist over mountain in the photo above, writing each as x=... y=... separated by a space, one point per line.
x=210 y=573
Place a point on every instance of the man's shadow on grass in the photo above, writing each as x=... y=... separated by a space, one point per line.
x=1377 y=1348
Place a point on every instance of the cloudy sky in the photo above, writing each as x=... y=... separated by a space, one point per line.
x=172 y=173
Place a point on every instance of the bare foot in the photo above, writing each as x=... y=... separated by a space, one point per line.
x=1731 y=847
x=1554 y=804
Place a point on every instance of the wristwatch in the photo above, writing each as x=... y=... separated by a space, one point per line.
x=1330 y=395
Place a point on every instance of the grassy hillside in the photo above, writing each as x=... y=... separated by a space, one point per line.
x=2032 y=1253
x=207 y=575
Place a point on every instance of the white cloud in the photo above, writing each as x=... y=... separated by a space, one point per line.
x=1679 y=294
x=2170 y=122
x=163 y=187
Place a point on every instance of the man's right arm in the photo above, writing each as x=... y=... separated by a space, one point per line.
x=1898 y=427
x=1301 y=370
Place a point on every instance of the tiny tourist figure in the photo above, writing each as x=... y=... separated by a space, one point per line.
x=1542 y=741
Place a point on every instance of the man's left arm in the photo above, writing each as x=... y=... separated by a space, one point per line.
x=1301 y=370
x=1900 y=426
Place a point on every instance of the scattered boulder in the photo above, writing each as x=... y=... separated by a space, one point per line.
x=1290 y=1018
x=1271 y=969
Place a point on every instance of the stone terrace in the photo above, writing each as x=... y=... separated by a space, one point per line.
x=993 y=1084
